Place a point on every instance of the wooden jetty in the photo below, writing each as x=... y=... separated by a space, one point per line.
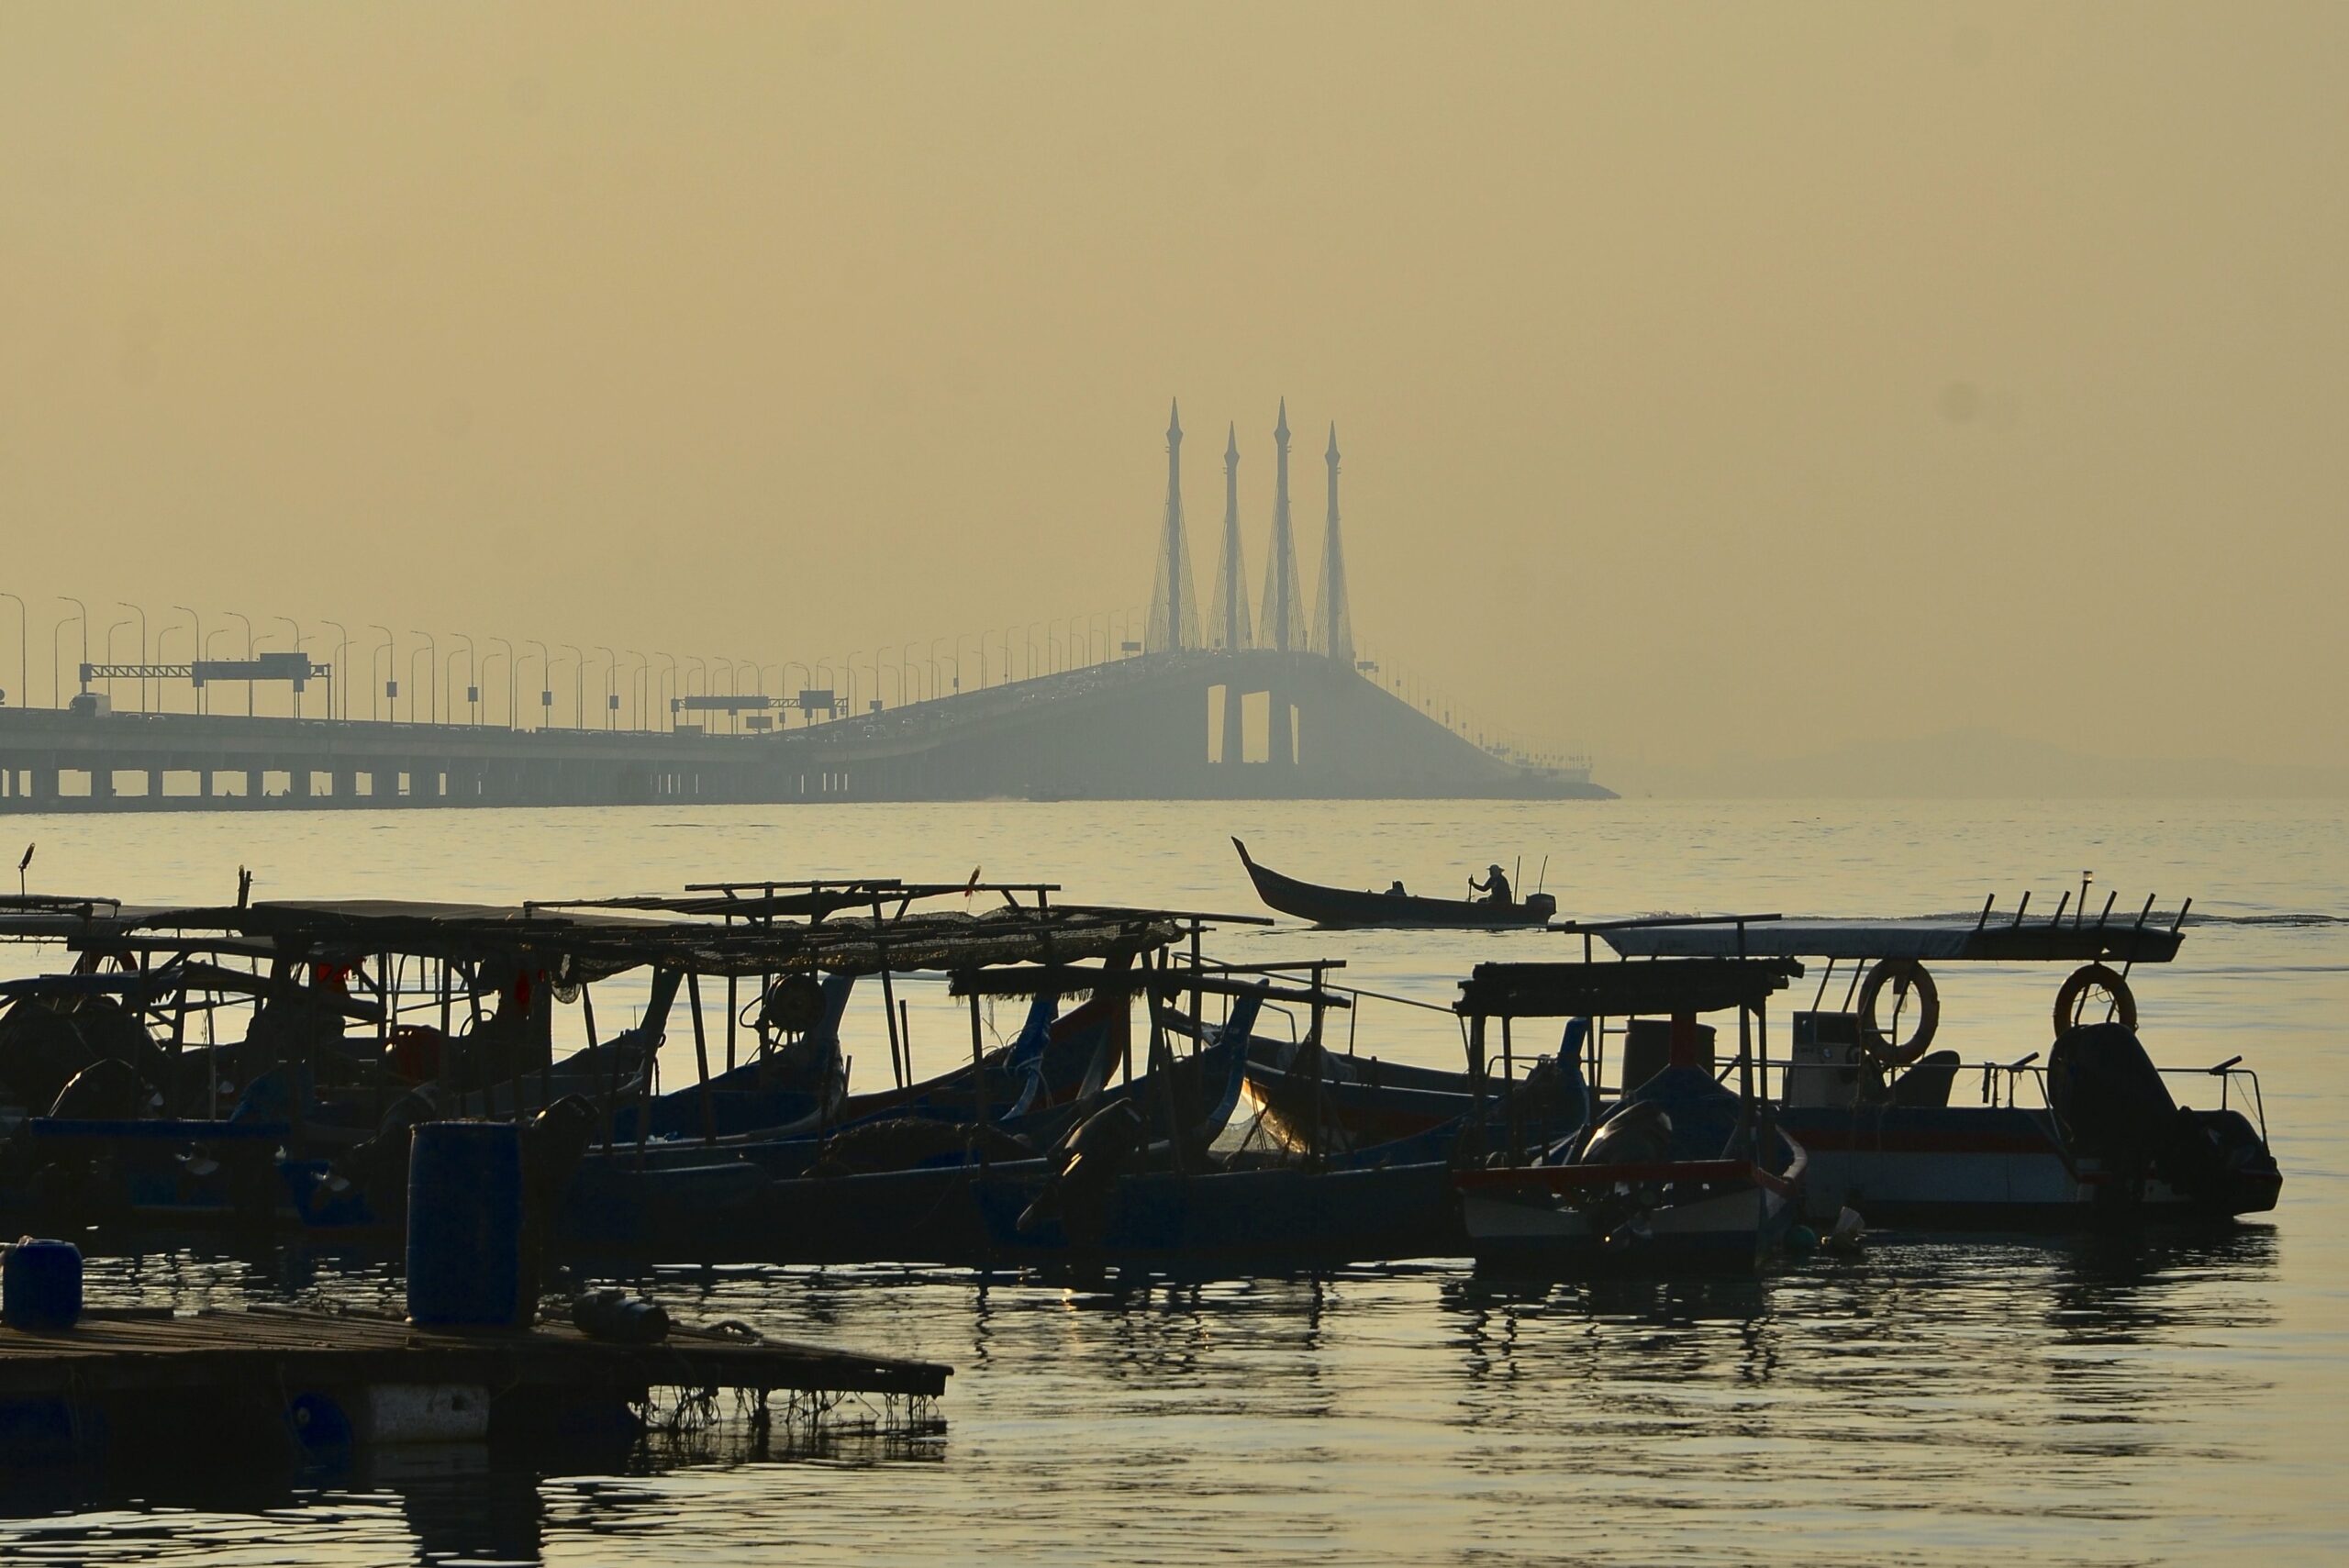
x=321 y=1379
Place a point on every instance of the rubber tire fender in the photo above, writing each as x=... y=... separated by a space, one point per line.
x=2068 y=1000
x=1911 y=975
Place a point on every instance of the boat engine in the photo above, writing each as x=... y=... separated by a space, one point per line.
x=2115 y=1109
x=1638 y=1133
x=1089 y=1162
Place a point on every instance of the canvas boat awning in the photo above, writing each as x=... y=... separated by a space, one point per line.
x=1621 y=990
x=2031 y=941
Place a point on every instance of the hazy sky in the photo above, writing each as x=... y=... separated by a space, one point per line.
x=1739 y=378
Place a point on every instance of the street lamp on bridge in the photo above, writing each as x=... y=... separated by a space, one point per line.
x=546 y=684
x=195 y=651
x=140 y=611
x=295 y=695
x=56 y=646
x=511 y=686
x=473 y=679
x=337 y=681
x=110 y=631
x=578 y=684
x=387 y=653
x=24 y=652
x=431 y=652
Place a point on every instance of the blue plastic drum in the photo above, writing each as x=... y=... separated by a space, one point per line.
x=464 y=1225
x=40 y=1285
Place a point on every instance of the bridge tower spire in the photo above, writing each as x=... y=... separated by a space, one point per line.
x=1333 y=624
x=1228 y=628
x=1281 y=626
x=1173 y=610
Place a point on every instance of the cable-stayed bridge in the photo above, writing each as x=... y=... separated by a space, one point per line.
x=1225 y=698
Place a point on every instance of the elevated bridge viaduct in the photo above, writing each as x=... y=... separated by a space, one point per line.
x=1187 y=725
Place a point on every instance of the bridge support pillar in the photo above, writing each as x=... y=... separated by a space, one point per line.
x=253 y=785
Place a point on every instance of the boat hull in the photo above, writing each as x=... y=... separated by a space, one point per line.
x=1728 y=1233
x=1986 y=1168
x=1274 y=1218
x=1343 y=909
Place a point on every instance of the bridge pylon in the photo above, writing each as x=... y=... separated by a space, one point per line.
x=1174 y=611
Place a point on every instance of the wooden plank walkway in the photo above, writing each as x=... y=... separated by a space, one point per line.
x=110 y=1354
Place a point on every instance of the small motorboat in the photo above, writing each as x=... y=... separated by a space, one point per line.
x=1344 y=908
x=1683 y=1175
x=2096 y=1137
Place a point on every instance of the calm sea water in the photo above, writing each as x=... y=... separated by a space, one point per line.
x=1934 y=1402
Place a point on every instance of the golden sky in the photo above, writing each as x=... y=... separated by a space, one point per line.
x=1710 y=379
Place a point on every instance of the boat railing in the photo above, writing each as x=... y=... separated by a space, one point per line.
x=2003 y=1084
x=1284 y=1015
x=2235 y=1081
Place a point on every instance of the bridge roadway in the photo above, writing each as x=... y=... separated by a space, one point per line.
x=1154 y=726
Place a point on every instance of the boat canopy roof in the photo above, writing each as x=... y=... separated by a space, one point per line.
x=2061 y=941
x=814 y=900
x=1621 y=990
x=588 y=943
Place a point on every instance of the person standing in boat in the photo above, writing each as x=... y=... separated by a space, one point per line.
x=1495 y=888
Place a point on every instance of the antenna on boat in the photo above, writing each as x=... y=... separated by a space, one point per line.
x=1544 y=881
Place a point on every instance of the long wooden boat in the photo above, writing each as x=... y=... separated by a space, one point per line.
x=1344 y=908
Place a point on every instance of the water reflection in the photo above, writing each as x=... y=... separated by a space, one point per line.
x=1968 y=1388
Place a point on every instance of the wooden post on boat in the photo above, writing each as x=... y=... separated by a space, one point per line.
x=179 y=1043
x=1509 y=1087
x=1471 y=1141
x=612 y=1065
x=387 y=987
x=542 y=1015
x=732 y=1009
x=1745 y=1037
x=978 y=1079
x=701 y=1057
x=1161 y=1071
x=1199 y=1000
x=888 y=997
x=1320 y=1067
x=644 y=1092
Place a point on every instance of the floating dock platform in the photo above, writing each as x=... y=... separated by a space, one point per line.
x=147 y=1378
